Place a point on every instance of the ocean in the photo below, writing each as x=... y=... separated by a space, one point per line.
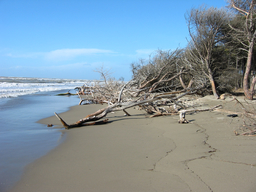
x=24 y=101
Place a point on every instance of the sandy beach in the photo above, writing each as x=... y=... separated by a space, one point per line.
x=137 y=153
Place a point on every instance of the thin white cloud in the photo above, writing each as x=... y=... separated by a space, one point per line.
x=79 y=65
x=62 y=54
x=71 y=66
x=27 y=55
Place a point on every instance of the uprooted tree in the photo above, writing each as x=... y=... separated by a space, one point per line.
x=157 y=88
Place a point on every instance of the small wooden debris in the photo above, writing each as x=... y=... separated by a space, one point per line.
x=182 y=117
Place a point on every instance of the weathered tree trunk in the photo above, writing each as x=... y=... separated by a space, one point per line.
x=248 y=92
x=214 y=91
x=182 y=117
x=247 y=8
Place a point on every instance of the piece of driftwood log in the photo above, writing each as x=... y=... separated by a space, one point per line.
x=119 y=105
x=66 y=94
x=101 y=113
x=164 y=114
x=183 y=112
x=67 y=126
x=249 y=133
x=111 y=108
x=182 y=116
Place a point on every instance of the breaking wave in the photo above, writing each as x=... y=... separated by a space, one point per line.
x=17 y=86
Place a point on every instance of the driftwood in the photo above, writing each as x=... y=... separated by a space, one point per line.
x=183 y=112
x=119 y=95
x=66 y=94
x=182 y=117
x=103 y=112
x=155 y=104
x=150 y=96
x=122 y=106
x=67 y=126
x=145 y=104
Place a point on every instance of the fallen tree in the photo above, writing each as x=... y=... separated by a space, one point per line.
x=120 y=96
x=152 y=103
x=157 y=88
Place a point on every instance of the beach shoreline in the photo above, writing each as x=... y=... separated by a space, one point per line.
x=23 y=140
x=137 y=153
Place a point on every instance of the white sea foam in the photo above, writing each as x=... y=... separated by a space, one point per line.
x=17 y=86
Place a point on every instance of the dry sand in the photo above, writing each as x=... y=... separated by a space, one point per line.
x=138 y=154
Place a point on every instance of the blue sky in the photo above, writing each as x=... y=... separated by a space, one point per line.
x=70 y=39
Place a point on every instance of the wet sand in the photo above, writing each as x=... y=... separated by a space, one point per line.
x=134 y=153
x=22 y=140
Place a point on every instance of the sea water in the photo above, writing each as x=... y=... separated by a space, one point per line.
x=24 y=101
x=17 y=86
